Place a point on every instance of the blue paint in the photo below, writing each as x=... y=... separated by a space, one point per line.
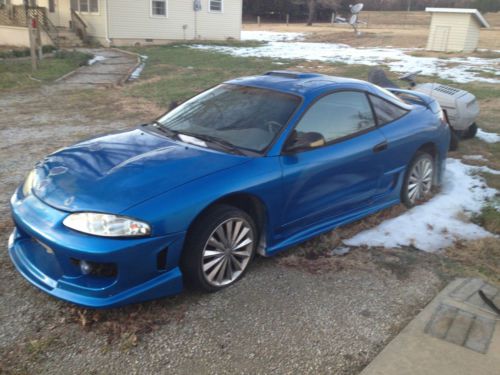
x=167 y=183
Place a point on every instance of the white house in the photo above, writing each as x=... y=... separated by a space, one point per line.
x=455 y=29
x=122 y=22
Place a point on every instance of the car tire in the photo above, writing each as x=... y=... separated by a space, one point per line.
x=213 y=257
x=470 y=132
x=454 y=141
x=419 y=179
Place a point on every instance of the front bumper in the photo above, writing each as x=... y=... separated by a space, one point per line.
x=44 y=251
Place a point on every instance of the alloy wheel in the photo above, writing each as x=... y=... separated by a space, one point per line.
x=420 y=180
x=227 y=252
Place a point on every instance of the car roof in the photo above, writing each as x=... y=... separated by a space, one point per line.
x=300 y=83
x=312 y=85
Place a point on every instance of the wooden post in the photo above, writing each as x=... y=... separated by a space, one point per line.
x=258 y=20
x=38 y=40
x=34 y=62
x=287 y=19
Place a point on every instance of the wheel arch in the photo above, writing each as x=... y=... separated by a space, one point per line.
x=431 y=148
x=247 y=202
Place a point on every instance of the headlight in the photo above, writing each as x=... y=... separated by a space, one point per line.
x=28 y=183
x=106 y=225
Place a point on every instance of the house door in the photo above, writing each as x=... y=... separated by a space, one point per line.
x=63 y=11
x=52 y=12
x=441 y=38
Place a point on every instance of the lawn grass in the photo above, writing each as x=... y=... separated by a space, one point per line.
x=15 y=73
x=177 y=72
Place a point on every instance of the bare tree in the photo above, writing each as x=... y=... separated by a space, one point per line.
x=312 y=8
x=311 y=5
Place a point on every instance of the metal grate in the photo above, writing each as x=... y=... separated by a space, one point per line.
x=447 y=90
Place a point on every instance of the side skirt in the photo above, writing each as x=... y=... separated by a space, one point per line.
x=325 y=227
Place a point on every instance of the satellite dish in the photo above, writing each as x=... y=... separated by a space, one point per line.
x=353 y=20
x=355 y=9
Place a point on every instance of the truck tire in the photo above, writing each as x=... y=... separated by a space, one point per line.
x=454 y=141
x=470 y=132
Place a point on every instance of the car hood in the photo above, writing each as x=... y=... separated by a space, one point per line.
x=116 y=171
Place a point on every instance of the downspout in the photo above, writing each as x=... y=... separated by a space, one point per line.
x=108 y=40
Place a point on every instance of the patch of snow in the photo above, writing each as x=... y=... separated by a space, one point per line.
x=496 y=205
x=341 y=250
x=271 y=36
x=137 y=72
x=488 y=50
x=458 y=69
x=475 y=157
x=95 y=59
x=487 y=137
x=485 y=169
x=435 y=225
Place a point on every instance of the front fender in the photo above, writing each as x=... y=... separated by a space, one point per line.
x=175 y=210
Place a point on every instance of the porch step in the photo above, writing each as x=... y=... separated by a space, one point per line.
x=67 y=38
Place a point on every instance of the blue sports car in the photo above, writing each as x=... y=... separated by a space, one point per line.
x=254 y=165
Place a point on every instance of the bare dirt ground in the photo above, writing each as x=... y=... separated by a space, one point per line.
x=305 y=311
x=378 y=33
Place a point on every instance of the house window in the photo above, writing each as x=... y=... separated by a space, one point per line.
x=52 y=6
x=159 y=8
x=94 y=6
x=86 y=6
x=215 y=5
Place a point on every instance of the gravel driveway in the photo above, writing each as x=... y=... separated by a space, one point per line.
x=290 y=314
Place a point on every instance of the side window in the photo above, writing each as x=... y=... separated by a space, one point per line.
x=386 y=112
x=338 y=115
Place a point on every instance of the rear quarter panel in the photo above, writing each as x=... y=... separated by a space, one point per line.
x=406 y=136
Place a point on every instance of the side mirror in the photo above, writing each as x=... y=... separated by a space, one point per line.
x=304 y=141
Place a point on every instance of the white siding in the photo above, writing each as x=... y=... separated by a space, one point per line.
x=472 y=40
x=131 y=19
x=453 y=32
x=96 y=22
x=18 y=36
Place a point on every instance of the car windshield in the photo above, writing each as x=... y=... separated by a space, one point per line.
x=247 y=118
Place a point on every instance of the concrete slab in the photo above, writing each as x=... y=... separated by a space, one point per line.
x=112 y=70
x=456 y=334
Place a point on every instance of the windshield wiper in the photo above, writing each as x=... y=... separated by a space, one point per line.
x=169 y=132
x=218 y=141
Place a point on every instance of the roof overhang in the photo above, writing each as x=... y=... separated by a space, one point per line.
x=479 y=17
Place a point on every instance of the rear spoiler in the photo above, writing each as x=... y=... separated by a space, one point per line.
x=417 y=98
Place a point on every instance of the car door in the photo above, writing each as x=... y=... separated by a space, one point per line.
x=395 y=124
x=338 y=178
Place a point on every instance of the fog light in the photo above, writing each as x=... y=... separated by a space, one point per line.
x=85 y=267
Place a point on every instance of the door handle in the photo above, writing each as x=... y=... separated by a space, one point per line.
x=381 y=147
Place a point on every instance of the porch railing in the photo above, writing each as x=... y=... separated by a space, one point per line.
x=46 y=24
x=79 y=26
x=19 y=15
